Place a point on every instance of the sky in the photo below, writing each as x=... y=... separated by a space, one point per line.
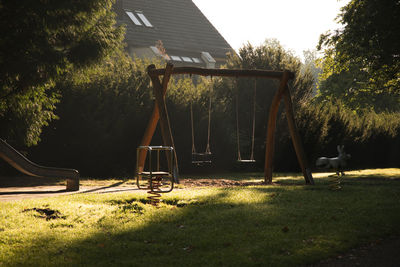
x=296 y=24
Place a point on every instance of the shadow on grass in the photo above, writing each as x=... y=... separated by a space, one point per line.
x=29 y=181
x=39 y=192
x=249 y=226
x=384 y=180
x=103 y=188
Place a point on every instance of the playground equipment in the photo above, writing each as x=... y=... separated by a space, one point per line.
x=205 y=157
x=160 y=112
x=337 y=164
x=155 y=178
x=24 y=165
x=239 y=159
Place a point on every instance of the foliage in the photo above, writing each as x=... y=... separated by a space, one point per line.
x=100 y=110
x=40 y=41
x=270 y=56
x=105 y=109
x=277 y=225
x=364 y=56
x=103 y=114
x=115 y=102
x=373 y=139
x=311 y=65
x=22 y=116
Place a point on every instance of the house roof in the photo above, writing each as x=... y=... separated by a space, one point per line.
x=179 y=24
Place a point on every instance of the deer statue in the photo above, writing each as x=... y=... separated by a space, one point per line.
x=337 y=163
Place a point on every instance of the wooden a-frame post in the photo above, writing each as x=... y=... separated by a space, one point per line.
x=270 y=139
x=283 y=91
x=160 y=112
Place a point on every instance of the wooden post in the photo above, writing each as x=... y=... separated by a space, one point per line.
x=273 y=112
x=163 y=114
x=301 y=156
x=152 y=125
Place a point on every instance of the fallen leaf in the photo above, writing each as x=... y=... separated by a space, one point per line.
x=188 y=248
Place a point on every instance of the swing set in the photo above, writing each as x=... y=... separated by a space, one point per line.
x=160 y=114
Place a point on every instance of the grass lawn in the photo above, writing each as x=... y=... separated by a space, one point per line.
x=286 y=224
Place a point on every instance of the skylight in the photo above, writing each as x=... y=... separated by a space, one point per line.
x=187 y=59
x=196 y=60
x=144 y=19
x=176 y=58
x=133 y=18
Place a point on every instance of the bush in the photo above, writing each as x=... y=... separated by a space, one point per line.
x=372 y=139
x=103 y=114
x=104 y=111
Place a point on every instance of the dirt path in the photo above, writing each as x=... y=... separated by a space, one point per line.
x=19 y=193
x=18 y=188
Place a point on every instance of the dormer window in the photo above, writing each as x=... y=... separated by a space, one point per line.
x=208 y=59
x=141 y=16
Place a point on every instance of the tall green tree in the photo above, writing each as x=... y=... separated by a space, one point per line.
x=311 y=65
x=41 y=40
x=367 y=48
x=270 y=55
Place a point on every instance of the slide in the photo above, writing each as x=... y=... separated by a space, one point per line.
x=24 y=165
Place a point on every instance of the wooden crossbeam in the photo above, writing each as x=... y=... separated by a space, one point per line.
x=225 y=72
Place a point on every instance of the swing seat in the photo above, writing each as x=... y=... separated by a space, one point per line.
x=246 y=160
x=154 y=178
x=158 y=173
x=201 y=158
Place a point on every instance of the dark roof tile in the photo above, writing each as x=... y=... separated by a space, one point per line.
x=179 y=24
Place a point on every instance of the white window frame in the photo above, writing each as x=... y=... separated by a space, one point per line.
x=143 y=18
x=187 y=59
x=176 y=58
x=196 y=60
x=133 y=18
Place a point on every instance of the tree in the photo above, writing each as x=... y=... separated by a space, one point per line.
x=41 y=40
x=115 y=100
x=269 y=56
x=272 y=56
x=368 y=48
x=310 y=65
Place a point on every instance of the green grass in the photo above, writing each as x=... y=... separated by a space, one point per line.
x=287 y=224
